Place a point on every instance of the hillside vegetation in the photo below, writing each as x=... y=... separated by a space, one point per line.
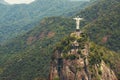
x=18 y=19
x=27 y=57
x=102 y=21
x=31 y=53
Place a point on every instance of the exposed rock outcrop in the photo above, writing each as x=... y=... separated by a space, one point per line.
x=71 y=61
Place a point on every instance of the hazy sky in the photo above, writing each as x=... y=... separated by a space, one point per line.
x=28 y=1
x=19 y=1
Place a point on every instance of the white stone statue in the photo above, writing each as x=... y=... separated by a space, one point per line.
x=78 y=19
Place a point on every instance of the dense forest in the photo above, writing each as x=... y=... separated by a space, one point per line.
x=102 y=21
x=33 y=50
x=18 y=19
x=27 y=57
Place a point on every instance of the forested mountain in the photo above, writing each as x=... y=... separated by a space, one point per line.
x=18 y=19
x=103 y=25
x=27 y=57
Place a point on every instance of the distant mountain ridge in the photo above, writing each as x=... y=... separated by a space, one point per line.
x=18 y=19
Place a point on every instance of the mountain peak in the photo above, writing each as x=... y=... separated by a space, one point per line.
x=72 y=60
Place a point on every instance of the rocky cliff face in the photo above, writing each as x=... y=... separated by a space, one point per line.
x=71 y=61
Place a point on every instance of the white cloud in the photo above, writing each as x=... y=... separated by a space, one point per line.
x=19 y=1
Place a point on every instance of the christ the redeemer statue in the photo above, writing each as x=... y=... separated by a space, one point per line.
x=78 y=22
